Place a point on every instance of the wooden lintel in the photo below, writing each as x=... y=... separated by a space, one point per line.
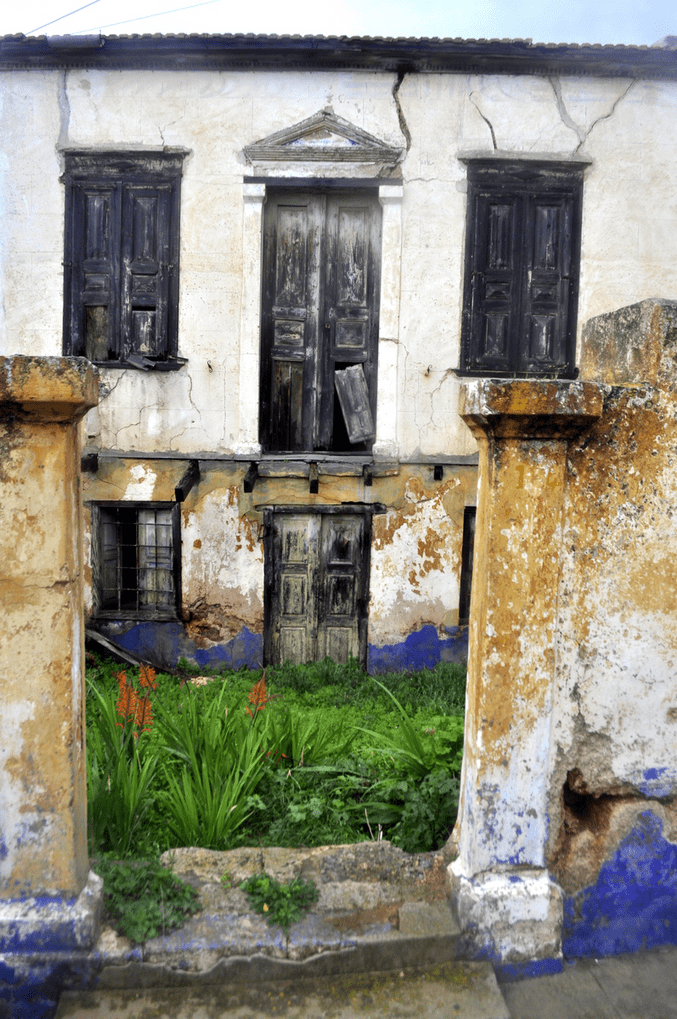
x=251 y=477
x=190 y=477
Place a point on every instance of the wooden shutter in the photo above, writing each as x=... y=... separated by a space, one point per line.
x=291 y=287
x=95 y=271
x=292 y=567
x=320 y=302
x=106 y=559
x=522 y=255
x=146 y=217
x=547 y=282
x=494 y=281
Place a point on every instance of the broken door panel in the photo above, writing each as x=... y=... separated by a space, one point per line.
x=353 y=395
x=317 y=565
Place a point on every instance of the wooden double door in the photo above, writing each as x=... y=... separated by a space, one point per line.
x=320 y=313
x=316 y=583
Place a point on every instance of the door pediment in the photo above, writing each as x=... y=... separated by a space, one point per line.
x=326 y=138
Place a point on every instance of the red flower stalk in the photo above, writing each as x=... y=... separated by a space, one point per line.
x=258 y=696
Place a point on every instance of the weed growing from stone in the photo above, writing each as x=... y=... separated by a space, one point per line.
x=144 y=899
x=281 y=904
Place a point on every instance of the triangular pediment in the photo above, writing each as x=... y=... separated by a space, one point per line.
x=323 y=137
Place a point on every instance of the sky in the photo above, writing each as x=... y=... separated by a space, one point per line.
x=603 y=21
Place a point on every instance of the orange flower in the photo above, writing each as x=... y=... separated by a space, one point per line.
x=147 y=676
x=129 y=706
x=258 y=696
x=126 y=702
x=144 y=714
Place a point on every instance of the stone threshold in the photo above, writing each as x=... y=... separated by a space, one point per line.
x=378 y=909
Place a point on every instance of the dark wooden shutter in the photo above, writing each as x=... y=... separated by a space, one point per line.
x=95 y=271
x=146 y=215
x=320 y=303
x=291 y=287
x=494 y=281
x=547 y=282
x=106 y=559
x=522 y=256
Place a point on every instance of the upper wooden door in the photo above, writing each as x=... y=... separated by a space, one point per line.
x=321 y=281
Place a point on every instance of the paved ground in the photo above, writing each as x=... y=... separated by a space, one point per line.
x=379 y=912
x=640 y=986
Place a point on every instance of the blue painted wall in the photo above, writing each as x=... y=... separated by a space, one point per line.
x=633 y=904
x=165 y=643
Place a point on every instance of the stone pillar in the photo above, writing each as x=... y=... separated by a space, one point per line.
x=48 y=899
x=507 y=904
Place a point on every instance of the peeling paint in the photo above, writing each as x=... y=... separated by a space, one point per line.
x=632 y=906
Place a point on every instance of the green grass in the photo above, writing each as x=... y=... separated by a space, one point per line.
x=334 y=756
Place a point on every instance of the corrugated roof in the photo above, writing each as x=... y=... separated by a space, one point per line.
x=248 y=51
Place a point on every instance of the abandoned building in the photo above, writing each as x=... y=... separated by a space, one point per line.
x=340 y=292
x=283 y=256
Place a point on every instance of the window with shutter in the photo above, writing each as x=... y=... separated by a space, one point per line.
x=135 y=560
x=319 y=328
x=521 y=269
x=122 y=258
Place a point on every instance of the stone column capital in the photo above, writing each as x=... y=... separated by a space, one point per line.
x=49 y=388
x=529 y=408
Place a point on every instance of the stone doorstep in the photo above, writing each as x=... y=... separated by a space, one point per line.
x=462 y=990
x=381 y=940
x=378 y=909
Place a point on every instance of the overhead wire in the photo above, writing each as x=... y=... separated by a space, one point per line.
x=61 y=17
x=144 y=17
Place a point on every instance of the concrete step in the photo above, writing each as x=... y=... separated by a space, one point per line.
x=453 y=990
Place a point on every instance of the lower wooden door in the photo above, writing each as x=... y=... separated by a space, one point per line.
x=317 y=583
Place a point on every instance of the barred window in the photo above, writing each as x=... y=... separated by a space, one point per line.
x=135 y=559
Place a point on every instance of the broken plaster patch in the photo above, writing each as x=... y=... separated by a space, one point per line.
x=141 y=488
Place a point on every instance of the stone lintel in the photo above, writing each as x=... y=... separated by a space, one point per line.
x=513 y=916
x=49 y=388
x=39 y=924
x=529 y=408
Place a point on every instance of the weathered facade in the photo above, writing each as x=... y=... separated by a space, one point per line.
x=317 y=276
x=235 y=230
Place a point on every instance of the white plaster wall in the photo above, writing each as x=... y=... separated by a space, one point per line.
x=629 y=244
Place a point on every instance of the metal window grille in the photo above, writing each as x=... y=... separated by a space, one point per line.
x=135 y=561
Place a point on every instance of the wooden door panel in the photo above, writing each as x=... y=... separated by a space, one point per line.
x=317 y=577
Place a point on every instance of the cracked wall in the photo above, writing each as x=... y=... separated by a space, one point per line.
x=415 y=562
x=629 y=242
x=613 y=831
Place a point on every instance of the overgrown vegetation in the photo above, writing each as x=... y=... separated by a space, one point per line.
x=145 y=899
x=280 y=903
x=298 y=755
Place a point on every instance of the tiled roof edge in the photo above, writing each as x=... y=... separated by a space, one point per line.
x=249 y=52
